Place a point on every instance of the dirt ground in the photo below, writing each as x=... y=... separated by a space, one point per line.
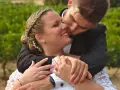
x=11 y=66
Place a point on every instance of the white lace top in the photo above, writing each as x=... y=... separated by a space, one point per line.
x=101 y=78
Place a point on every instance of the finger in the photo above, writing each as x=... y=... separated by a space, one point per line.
x=40 y=63
x=89 y=76
x=61 y=57
x=75 y=77
x=74 y=66
x=55 y=61
x=82 y=67
x=42 y=77
x=56 y=72
x=56 y=68
x=25 y=87
x=84 y=73
x=78 y=73
x=68 y=61
x=32 y=64
x=44 y=72
x=43 y=68
x=64 y=60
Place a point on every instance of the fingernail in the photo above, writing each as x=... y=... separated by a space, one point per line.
x=52 y=66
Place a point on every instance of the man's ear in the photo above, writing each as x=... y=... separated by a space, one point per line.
x=39 y=38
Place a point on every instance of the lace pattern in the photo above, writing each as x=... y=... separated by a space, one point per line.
x=13 y=77
x=101 y=78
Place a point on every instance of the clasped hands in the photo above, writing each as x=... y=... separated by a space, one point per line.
x=69 y=69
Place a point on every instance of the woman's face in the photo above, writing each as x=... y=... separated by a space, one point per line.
x=55 y=31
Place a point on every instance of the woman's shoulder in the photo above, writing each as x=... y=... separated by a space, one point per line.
x=102 y=78
x=14 y=76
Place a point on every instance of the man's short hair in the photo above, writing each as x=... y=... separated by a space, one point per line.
x=92 y=10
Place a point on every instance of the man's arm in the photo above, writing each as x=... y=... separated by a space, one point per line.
x=26 y=56
x=96 y=57
x=90 y=46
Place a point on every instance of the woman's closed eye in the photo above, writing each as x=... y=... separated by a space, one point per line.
x=56 y=24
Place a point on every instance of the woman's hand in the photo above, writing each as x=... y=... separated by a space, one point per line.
x=62 y=69
x=79 y=70
x=43 y=84
x=35 y=72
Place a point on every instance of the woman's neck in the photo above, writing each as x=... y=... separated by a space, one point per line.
x=53 y=52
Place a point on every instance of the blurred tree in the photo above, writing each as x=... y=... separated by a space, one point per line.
x=56 y=2
x=115 y=3
x=112 y=21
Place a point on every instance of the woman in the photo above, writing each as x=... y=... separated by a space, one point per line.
x=43 y=31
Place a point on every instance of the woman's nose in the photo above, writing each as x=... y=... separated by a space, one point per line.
x=73 y=26
x=64 y=26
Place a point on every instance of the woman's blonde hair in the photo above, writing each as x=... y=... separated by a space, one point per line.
x=34 y=24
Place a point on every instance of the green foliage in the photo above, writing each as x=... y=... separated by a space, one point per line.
x=12 y=25
x=12 y=22
x=56 y=2
x=112 y=21
x=115 y=3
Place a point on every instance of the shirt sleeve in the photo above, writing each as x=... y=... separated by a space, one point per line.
x=12 y=79
x=25 y=58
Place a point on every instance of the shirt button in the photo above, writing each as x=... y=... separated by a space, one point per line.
x=61 y=84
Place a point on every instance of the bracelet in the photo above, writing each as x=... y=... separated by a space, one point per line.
x=52 y=81
x=19 y=82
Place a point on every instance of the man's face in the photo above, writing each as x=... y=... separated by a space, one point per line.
x=77 y=23
x=69 y=3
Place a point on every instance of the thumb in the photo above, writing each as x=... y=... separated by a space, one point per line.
x=32 y=64
x=68 y=61
x=89 y=76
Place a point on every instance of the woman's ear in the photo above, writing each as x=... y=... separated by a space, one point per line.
x=39 y=38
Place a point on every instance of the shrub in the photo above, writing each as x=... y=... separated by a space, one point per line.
x=112 y=21
x=12 y=22
x=12 y=25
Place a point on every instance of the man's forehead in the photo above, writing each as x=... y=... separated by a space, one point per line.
x=69 y=1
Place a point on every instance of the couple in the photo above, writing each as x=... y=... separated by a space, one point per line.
x=48 y=34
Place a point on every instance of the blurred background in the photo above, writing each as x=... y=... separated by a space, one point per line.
x=13 y=15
